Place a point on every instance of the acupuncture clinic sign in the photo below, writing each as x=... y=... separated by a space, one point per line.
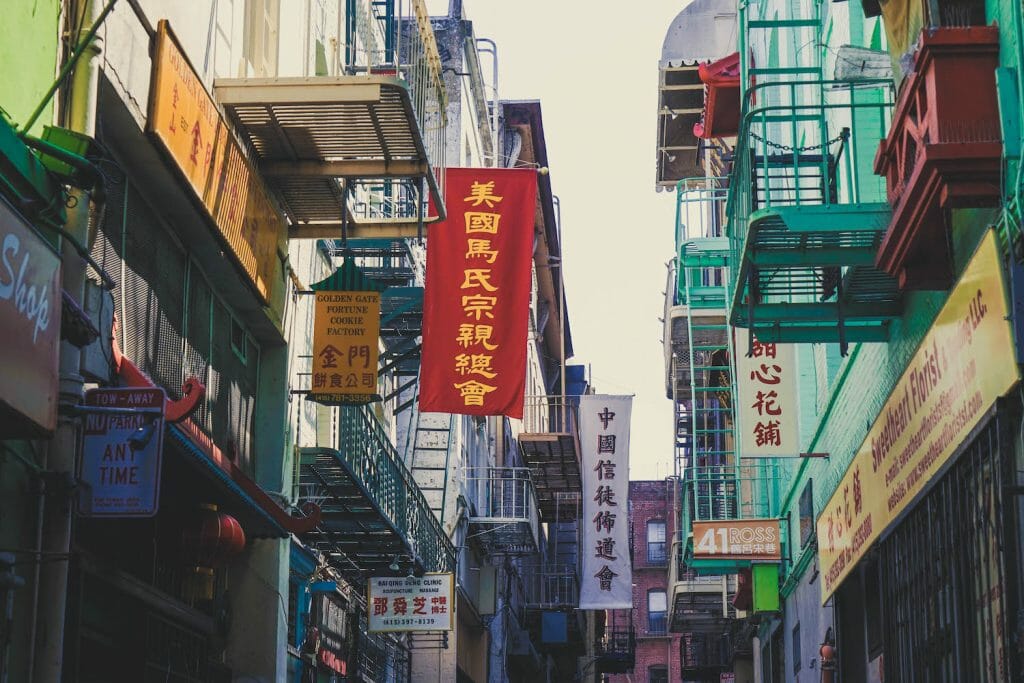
x=410 y=603
x=30 y=319
x=965 y=362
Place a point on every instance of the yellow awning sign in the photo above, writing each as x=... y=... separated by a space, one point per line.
x=965 y=362
x=346 y=327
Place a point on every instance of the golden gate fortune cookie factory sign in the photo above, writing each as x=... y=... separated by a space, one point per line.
x=346 y=326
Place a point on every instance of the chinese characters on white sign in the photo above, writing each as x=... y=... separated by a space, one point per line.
x=607 y=580
x=767 y=410
x=408 y=603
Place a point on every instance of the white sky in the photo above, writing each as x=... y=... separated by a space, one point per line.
x=594 y=68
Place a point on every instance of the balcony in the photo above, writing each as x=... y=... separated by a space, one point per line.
x=353 y=153
x=503 y=516
x=944 y=151
x=550 y=445
x=372 y=510
x=686 y=588
x=551 y=587
x=806 y=222
x=615 y=649
x=702 y=655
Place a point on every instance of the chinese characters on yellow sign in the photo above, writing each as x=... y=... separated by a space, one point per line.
x=964 y=364
x=185 y=120
x=346 y=326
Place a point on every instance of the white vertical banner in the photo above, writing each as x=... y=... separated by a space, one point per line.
x=767 y=404
x=607 y=579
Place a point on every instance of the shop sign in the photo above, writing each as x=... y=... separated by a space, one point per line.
x=766 y=411
x=30 y=306
x=346 y=327
x=477 y=298
x=411 y=604
x=122 y=448
x=965 y=362
x=333 y=632
x=607 y=578
x=737 y=539
x=186 y=122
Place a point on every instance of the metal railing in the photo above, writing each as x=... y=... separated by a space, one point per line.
x=388 y=37
x=551 y=586
x=504 y=497
x=374 y=462
x=801 y=143
x=546 y=414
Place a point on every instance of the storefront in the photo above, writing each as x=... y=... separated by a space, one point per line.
x=919 y=545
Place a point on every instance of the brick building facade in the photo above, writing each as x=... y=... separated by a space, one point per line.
x=651 y=528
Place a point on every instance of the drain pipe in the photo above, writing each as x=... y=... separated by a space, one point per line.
x=50 y=609
x=493 y=51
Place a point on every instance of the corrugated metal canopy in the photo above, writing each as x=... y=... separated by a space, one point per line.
x=704 y=31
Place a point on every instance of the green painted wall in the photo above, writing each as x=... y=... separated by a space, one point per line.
x=29 y=34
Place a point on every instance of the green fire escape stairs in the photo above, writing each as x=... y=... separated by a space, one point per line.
x=806 y=215
x=804 y=242
x=704 y=396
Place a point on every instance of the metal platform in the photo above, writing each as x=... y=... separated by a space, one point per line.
x=312 y=135
x=503 y=519
x=550 y=446
x=372 y=510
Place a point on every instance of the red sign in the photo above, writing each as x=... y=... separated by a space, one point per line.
x=30 y=307
x=477 y=296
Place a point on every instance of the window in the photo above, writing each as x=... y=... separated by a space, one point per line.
x=260 y=42
x=657 y=612
x=656 y=542
x=657 y=674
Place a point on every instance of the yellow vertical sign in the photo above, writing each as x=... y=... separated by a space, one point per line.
x=965 y=362
x=185 y=120
x=346 y=327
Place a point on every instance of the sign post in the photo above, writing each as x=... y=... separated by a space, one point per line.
x=122 y=449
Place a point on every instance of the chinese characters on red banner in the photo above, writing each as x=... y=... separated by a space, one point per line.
x=767 y=410
x=604 y=439
x=477 y=294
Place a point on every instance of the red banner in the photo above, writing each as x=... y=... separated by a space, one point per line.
x=477 y=296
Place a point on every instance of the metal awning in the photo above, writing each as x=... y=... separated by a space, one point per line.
x=312 y=135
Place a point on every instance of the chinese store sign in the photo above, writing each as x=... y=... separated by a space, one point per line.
x=345 y=330
x=737 y=539
x=767 y=386
x=607 y=579
x=477 y=294
x=411 y=604
x=965 y=362
x=184 y=118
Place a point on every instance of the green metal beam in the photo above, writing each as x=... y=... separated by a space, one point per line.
x=819 y=312
x=828 y=218
x=811 y=257
x=821 y=334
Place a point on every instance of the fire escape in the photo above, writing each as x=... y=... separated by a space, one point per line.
x=806 y=216
x=699 y=382
x=353 y=154
x=351 y=158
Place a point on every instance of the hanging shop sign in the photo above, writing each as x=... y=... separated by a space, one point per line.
x=411 y=604
x=737 y=539
x=332 y=620
x=30 y=306
x=185 y=120
x=477 y=297
x=767 y=404
x=346 y=328
x=122 y=448
x=965 y=362
x=607 y=579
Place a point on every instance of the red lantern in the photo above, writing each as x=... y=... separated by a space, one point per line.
x=209 y=540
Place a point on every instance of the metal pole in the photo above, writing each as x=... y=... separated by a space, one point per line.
x=53 y=581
